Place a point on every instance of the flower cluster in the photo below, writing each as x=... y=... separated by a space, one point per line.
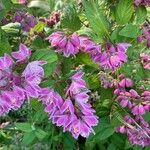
x=91 y=48
x=53 y=19
x=145 y=60
x=145 y=36
x=138 y=103
x=107 y=81
x=142 y=2
x=27 y=21
x=136 y=129
x=112 y=58
x=16 y=87
x=66 y=45
x=74 y=113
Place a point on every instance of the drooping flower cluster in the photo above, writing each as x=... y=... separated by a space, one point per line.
x=66 y=45
x=137 y=129
x=146 y=35
x=27 y=21
x=91 y=48
x=138 y=103
x=74 y=113
x=15 y=88
x=142 y=2
x=145 y=60
x=112 y=58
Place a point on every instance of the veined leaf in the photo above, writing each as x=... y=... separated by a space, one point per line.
x=98 y=21
x=141 y=14
x=70 y=19
x=124 y=11
x=130 y=30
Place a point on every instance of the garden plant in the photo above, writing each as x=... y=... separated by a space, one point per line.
x=74 y=74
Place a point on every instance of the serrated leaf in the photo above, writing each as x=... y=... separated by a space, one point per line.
x=97 y=19
x=124 y=11
x=70 y=19
x=26 y=127
x=130 y=30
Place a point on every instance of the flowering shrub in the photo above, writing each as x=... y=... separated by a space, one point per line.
x=75 y=74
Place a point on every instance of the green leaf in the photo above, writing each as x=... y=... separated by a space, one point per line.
x=36 y=105
x=141 y=14
x=11 y=28
x=131 y=31
x=39 y=116
x=97 y=19
x=147 y=117
x=4 y=43
x=39 y=4
x=84 y=58
x=49 y=56
x=28 y=138
x=70 y=19
x=68 y=142
x=124 y=11
x=102 y=131
x=5 y=6
x=26 y=127
x=40 y=134
x=39 y=27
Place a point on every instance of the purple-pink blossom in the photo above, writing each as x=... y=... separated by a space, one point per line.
x=23 y=54
x=145 y=60
x=114 y=56
x=145 y=35
x=16 y=87
x=74 y=113
x=142 y=2
x=26 y=20
x=137 y=130
x=68 y=45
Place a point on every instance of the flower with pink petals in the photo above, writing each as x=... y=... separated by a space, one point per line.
x=23 y=54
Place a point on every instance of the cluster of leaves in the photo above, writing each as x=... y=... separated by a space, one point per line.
x=113 y=20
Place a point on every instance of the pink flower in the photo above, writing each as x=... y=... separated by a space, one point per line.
x=145 y=60
x=23 y=1
x=74 y=114
x=66 y=45
x=23 y=54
